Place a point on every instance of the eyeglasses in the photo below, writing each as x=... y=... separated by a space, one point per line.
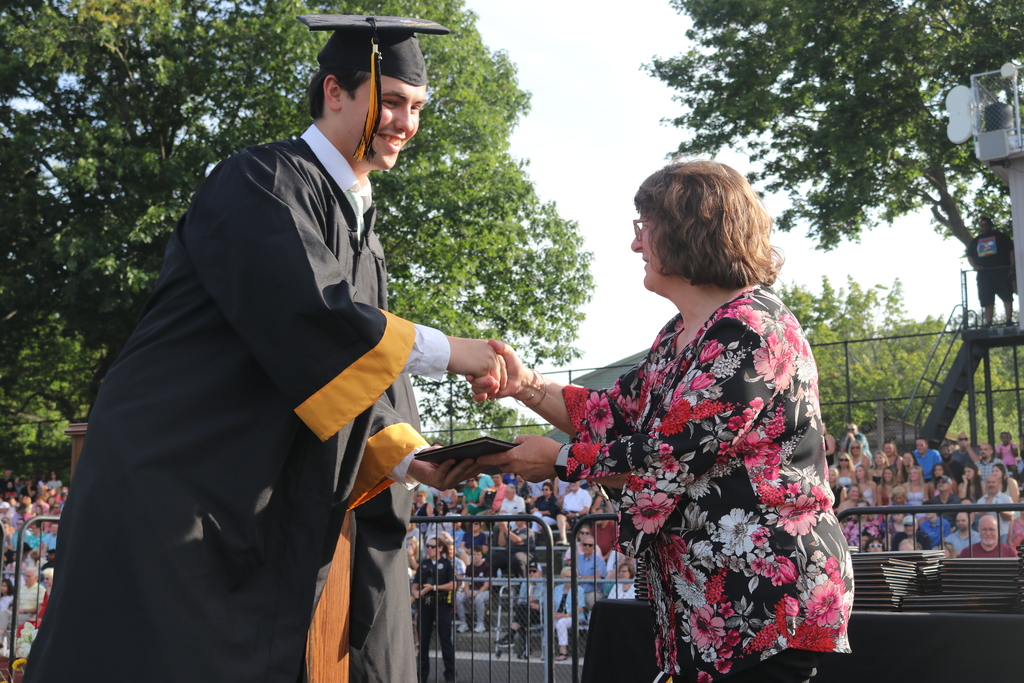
x=844 y=460
x=875 y=545
x=961 y=438
x=431 y=545
x=638 y=227
x=854 y=448
x=534 y=570
x=587 y=545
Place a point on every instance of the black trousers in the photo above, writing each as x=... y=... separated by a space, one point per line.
x=437 y=615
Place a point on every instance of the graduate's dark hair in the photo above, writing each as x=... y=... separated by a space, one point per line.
x=348 y=79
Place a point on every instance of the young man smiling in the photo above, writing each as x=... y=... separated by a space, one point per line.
x=265 y=357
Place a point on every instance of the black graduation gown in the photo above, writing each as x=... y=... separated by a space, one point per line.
x=225 y=444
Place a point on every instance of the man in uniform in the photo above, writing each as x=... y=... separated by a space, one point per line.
x=266 y=358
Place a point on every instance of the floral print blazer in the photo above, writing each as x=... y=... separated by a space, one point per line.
x=727 y=496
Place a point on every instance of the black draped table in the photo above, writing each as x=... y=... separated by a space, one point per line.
x=896 y=647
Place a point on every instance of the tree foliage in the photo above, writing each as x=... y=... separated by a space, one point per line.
x=859 y=364
x=113 y=111
x=842 y=103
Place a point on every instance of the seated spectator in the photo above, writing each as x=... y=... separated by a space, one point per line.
x=526 y=611
x=926 y=458
x=475 y=537
x=862 y=477
x=477 y=591
x=1015 y=534
x=589 y=567
x=30 y=596
x=513 y=503
x=878 y=465
x=574 y=504
x=623 y=588
x=838 y=490
x=918 y=538
x=944 y=496
x=471 y=496
x=989 y=545
x=1007 y=484
x=935 y=527
x=854 y=439
x=993 y=496
x=987 y=460
x=545 y=506
x=874 y=545
x=892 y=454
x=522 y=545
x=906 y=461
x=564 y=602
x=948 y=551
x=6 y=594
x=917 y=490
x=906 y=544
x=845 y=467
x=853 y=496
x=963 y=535
x=885 y=487
x=857 y=455
x=971 y=488
x=421 y=507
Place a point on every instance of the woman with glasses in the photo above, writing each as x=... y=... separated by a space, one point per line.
x=845 y=466
x=715 y=441
x=434 y=588
x=856 y=454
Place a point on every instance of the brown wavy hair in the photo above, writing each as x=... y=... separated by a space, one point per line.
x=708 y=226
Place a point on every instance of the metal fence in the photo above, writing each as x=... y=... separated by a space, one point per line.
x=862 y=518
x=491 y=653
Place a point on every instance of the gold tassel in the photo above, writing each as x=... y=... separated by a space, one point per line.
x=365 y=147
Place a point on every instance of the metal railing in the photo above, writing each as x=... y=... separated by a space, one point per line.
x=19 y=555
x=547 y=556
x=897 y=511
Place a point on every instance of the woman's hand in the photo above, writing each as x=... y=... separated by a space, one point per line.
x=516 y=374
x=533 y=459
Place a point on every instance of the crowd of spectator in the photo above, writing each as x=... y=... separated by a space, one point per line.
x=958 y=472
x=498 y=565
x=21 y=499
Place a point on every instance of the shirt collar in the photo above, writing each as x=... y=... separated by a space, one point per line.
x=328 y=155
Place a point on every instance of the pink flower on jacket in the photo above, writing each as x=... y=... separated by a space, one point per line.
x=825 y=604
x=775 y=363
x=702 y=381
x=785 y=571
x=800 y=515
x=599 y=413
x=650 y=511
x=707 y=629
x=710 y=351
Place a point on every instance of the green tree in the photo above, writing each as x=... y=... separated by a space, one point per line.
x=842 y=103
x=857 y=365
x=113 y=111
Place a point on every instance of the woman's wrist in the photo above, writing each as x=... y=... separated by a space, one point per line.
x=533 y=393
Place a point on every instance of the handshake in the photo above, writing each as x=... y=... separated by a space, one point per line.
x=491 y=367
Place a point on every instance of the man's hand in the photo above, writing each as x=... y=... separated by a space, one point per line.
x=533 y=459
x=481 y=364
x=445 y=475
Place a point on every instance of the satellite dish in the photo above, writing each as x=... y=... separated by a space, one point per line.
x=958 y=106
x=1008 y=70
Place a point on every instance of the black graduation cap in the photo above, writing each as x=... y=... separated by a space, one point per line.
x=381 y=45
